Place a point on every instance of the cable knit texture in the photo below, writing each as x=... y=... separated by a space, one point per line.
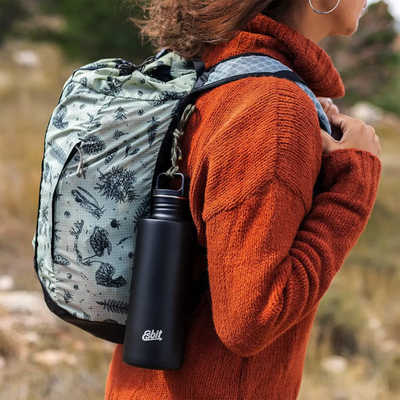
x=253 y=151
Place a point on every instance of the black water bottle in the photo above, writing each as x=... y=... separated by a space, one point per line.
x=157 y=315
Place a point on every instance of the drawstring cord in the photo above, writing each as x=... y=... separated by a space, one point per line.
x=176 y=152
x=79 y=171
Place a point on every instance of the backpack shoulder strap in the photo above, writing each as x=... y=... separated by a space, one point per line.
x=230 y=70
x=199 y=287
x=254 y=65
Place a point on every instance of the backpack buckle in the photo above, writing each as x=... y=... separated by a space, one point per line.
x=127 y=68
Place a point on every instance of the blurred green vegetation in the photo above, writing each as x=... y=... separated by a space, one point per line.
x=97 y=29
x=11 y=12
x=88 y=29
x=369 y=61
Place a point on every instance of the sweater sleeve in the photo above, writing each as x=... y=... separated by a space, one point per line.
x=273 y=255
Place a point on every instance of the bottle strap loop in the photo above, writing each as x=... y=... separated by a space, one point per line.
x=176 y=152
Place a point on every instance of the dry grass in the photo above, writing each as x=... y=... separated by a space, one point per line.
x=81 y=375
x=359 y=319
x=27 y=97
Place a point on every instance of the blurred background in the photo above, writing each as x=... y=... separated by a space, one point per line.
x=354 y=351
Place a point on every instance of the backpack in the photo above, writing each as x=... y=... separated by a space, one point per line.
x=109 y=137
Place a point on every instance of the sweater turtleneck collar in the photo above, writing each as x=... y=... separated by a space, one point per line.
x=307 y=59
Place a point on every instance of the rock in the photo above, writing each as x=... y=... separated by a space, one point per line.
x=22 y=302
x=374 y=323
x=80 y=345
x=30 y=337
x=389 y=346
x=392 y=120
x=334 y=364
x=54 y=357
x=340 y=396
x=29 y=304
x=6 y=282
x=9 y=346
x=26 y=58
x=367 y=113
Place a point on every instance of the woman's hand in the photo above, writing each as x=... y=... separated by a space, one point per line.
x=328 y=106
x=355 y=134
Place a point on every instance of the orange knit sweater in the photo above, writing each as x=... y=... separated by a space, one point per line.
x=253 y=151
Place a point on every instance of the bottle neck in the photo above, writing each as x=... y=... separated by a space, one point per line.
x=171 y=208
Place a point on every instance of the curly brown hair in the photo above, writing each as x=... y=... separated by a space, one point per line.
x=187 y=26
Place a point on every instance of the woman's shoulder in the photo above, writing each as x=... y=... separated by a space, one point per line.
x=258 y=119
x=259 y=103
x=253 y=131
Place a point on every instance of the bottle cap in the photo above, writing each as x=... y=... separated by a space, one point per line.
x=163 y=180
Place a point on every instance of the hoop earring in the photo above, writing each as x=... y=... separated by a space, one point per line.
x=324 y=12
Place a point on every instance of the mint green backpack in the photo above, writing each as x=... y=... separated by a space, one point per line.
x=115 y=128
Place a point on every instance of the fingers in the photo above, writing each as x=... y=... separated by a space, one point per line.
x=328 y=106
x=327 y=141
x=340 y=120
x=379 y=147
x=355 y=134
x=337 y=119
x=325 y=102
x=333 y=109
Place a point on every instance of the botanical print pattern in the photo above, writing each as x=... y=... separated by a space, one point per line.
x=46 y=171
x=114 y=86
x=58 y=118
x=110 y=155
x=152 y=128
x=120 y=114
x=101 y=148
x=104 y=276
x=61 y=260
x=67 y=296
x=129 y=153
x=117 y=134
x=57 y=152
x=69 y=89
x=88 y=202
x=118 y=184
x=142 y=211
x=167 y=95
x=123 y=240
x=115 y=306
x=93 y=145
x=99 y=241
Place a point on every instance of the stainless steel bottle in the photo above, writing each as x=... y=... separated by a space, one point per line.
x=156 y=324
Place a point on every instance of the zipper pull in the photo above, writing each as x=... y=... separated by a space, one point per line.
x=80 y=171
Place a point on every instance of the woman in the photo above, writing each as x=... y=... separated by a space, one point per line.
x=253 y=150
